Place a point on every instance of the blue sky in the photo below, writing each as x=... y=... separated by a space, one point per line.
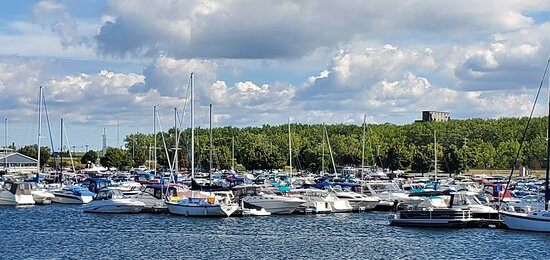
x=258 y=62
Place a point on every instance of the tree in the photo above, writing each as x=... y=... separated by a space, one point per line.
x=30 y=150
x=115 y=157
x=454 y=160
x=421 y=162
x=395 y=159
x=89 y=156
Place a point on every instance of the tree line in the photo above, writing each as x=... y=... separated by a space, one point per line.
x=462 y=145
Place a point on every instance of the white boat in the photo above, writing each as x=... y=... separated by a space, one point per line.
x=40 y=195
x=113 y=201
x=16 y=194
x=338 y=205
x=538 y=220
x=73 y=195
x=273 y=203
x=196 y=206
x=316 y=201
x=388 y=192
x=255 y=212
x=357 y=201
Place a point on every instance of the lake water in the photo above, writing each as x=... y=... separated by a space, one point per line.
x=64 y=231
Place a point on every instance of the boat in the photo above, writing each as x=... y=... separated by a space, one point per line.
x=276 y=204
x=538 y=220
x=39 y=195
x=450 y=217
x=16 y=194
x=73 y=195
x=199 y=205
x=357 y=201
x=113 y=201
x=316 y=201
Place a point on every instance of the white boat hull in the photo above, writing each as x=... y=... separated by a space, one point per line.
x=114 y=206
x=42 y=197
x=8 y=199
x=276 y=206
x=71 y=199
x=361 y=204
x=224 y=210
x=527 y=222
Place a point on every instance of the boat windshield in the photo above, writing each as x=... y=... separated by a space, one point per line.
x=109 y=194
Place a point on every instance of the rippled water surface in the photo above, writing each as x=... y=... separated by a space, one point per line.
x=64 y=231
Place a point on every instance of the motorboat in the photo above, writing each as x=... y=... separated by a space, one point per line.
x=154 y=196
x=260 y=196
x=388 y=193
x=16 y=194
x=316 y=201
x=199 y=205
x=338 y=205
x=73 y=195
x=40 y=195
x=113 y=201
x=357 y=201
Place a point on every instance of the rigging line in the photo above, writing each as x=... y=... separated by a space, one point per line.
x=525 y=134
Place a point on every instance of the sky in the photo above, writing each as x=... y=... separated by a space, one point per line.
x=104 y=64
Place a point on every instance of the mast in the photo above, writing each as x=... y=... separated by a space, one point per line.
x=39 y=130
x=363 y=153
x=6 y=145
x=330 y=151
x=192 y=126
x=323 y=151
x=176 y=159
x=155 y=138
x=290 y=150
x=61 y=157
x=435 y=155
x=546 y=191
x=210 y=133
x=233 y=152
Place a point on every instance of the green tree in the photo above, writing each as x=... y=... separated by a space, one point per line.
x=453 y=159
x=116 y=157
x=421 y=162
x=395 y=159
x=89 y=156
x=30 y=150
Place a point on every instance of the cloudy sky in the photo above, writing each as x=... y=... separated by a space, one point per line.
x=258 y=62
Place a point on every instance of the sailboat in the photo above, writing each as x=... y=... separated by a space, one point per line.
x=538 y=220
x=200 y=204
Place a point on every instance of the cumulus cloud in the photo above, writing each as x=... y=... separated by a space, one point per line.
x=280 y=29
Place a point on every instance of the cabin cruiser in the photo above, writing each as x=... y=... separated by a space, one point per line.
x=39 y=195
x=388 y=192
x=316 y=201
x=16 y=194
x=276 y=204
x=113 y=201
x=199 y=204
x=73 y=195
x=153 y=196
x=357 y=201
x=432 y=216
x=94 y=171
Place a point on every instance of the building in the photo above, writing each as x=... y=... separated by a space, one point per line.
x=435 y=116
x=13 y=162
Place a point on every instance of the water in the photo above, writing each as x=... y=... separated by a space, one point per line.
x=64 y=231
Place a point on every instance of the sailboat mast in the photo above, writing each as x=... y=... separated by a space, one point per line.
x=233 y=153
x=323 y=151
x=192 y=126
x=61 y=157
x=290 y=150
x=39 y=130
x=435 y=155
x=155 y=138
x=6 y=145
x=210 y=133
x=363 y=153
x=176 y=159
x=546 y=185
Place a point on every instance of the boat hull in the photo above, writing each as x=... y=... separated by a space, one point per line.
x=277 y=207
x=436 y=223
x=8 y=199
x=119 y=206
x=362 y=205
x=520 y=221
x=201 y=210
x=71 y=199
